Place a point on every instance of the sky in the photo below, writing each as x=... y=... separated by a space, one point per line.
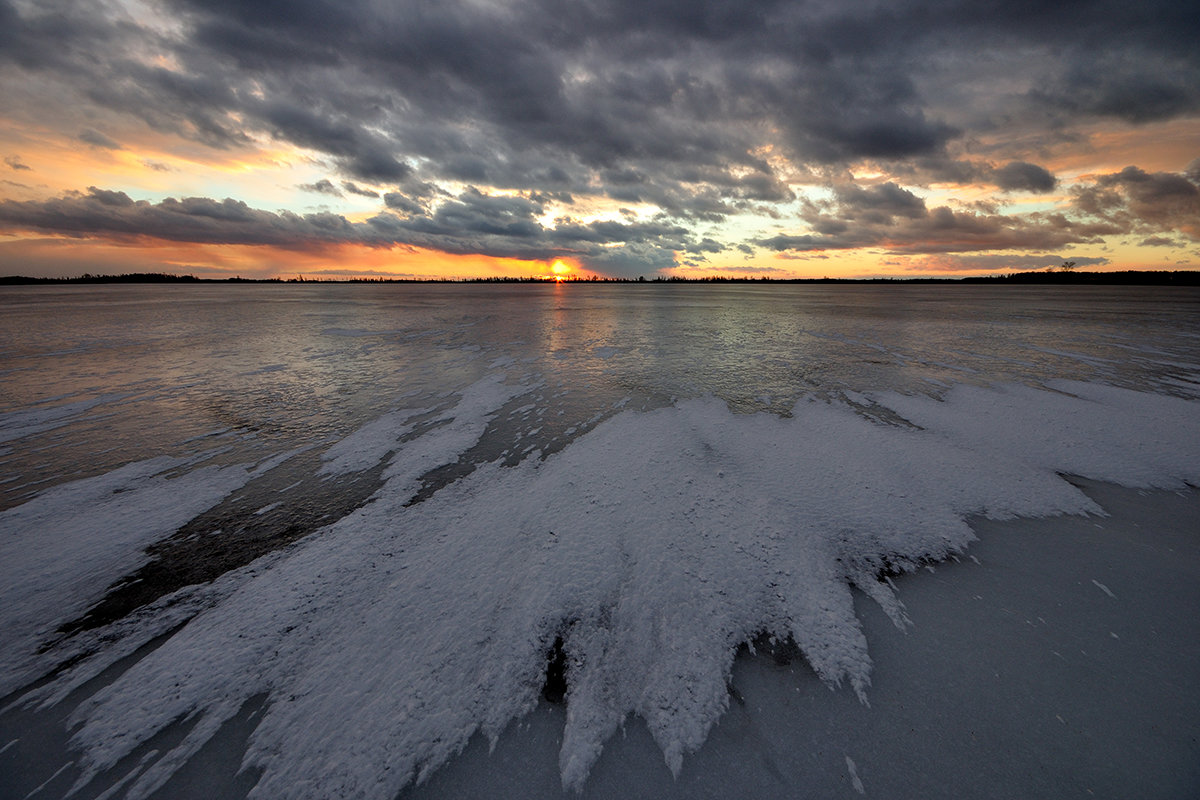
x=621 y=138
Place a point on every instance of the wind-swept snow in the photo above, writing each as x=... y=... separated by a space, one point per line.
x=62 y=549
x=652 y=546
x=1072 y=429
x=19 y=424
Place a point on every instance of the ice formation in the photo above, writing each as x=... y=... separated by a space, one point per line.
x=652 y=547
x=61 y=550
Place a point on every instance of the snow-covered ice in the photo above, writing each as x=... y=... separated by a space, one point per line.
x=653 y=547
x=61 y=550
x=513 y=508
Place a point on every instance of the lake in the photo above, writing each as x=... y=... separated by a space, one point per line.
x=348 y=528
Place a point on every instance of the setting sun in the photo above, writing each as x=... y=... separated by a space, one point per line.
x=560 y=270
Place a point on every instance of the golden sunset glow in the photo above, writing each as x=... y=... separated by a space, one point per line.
x=180 y=154
x=65 y=256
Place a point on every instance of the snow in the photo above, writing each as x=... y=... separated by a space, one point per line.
x=61 y=550
x=463 y=427
x=370 y=444
x=855 y=781
x=456 y=430
x=26 y=422
x=1067 y=426
x=653 y=546
x=970 y=700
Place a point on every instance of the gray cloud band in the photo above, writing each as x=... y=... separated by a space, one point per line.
x=674 y=104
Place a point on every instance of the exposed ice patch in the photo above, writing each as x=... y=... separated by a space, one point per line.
x=60 y=551
x=370 y=444
x=653 y=546
x=266 y=369
x=454 y=432
x=19 y=424
x=49 y=780
x=464 y=424
x=355 y=333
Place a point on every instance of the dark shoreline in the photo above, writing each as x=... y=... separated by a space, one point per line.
x=1124 y=278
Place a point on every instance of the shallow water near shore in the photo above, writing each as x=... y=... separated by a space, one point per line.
x=340 y=531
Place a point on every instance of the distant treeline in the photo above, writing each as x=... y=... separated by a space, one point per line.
x=1125 y=278
x=133 y=277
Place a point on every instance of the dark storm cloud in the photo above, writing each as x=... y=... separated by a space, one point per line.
x=1013 y=176
x=361 y=153
x=622 y=82
x=1160 y=241
x=403 y=203
x=362 y=191
x=472 y=223
x=1193 y=171
x=664 y=102
x=476 y=214
x=323 y=186
x=1021 y=176
x=1139 y=202
x=199 y=106
x=894 y=219
x=878 y=204
x=1135 y=94
x=510 y=227
x=48 y=36
x=111 y=214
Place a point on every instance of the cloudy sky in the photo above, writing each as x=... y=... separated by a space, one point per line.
x=622 y=137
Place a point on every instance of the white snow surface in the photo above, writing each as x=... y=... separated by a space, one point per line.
x=62 y=549
x=1070 y=429
x=453 y=433
x=368 y=445
x=654 y=546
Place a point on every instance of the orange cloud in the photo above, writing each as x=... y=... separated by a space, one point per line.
x=1163 y=147
x=61 y=257
x=146 y=162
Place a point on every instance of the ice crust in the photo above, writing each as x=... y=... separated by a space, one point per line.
x=61 y=550
x=19 y=424
x=654 y=546
x=453 y=432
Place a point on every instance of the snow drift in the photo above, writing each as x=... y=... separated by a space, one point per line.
x=651 y=548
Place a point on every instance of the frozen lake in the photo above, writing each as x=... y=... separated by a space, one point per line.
x=347 y=531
